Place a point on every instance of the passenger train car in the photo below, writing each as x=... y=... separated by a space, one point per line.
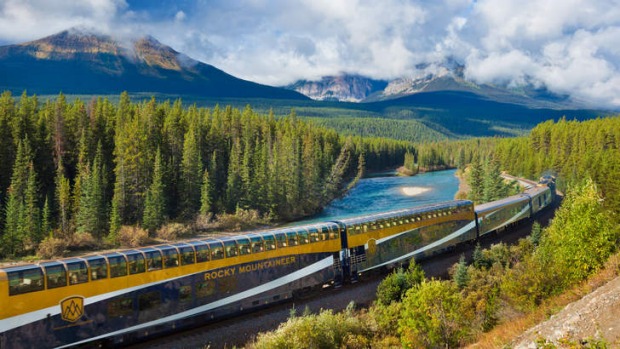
x=121 y=296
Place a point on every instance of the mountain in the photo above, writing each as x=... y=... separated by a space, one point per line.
x=344 y=88
x=447 y=77
x=80 y=62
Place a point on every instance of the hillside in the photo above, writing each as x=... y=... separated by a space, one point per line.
x=81 y=62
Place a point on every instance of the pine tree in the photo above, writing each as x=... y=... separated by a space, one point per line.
x=478 y=257
x=476 y=180
x=32 y=211
x=205 y=194
x=21 y=211
x=191 y=173
x=461 y=277
x=92 y=214
x=46 y=224
x=63 y=199
x=494 y=187
x=536 y=233
x=155 y=205
x=334 y=180
x=12 y=238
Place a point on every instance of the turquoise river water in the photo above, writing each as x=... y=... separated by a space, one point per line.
x=386 y=192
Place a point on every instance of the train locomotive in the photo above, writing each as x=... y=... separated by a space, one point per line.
x=122 y=296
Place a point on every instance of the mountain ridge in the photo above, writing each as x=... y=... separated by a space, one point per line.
x=75 y=61
x=442 y=79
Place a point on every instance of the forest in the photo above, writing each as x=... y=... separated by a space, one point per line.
x=79 y=171
x=502 y=290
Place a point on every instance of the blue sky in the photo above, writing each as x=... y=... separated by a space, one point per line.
x=568 y=46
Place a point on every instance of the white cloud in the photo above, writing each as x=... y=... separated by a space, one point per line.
x=569 y=46
x=29 y=20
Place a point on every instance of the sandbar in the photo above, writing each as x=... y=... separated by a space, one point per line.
x=413 y=191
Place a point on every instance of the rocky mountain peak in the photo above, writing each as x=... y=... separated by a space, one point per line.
x=344 y=87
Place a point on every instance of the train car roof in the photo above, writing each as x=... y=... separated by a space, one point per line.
x=407 y=211
x=489 y=206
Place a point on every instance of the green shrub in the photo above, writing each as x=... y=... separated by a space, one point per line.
x=394 y=286
x=324 y=330
x=581 y=237
x=433 y=316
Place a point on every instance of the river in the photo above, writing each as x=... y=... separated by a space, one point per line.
x=388 y=192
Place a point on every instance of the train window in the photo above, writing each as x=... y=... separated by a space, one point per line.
x=270 y=242
x=120 y=307
x=256 y=244
x=153 y=260
x=25 y=280
x=333 y=233
x=365 y=228
x=56 y=275
x=136 y=263
x=78 y=272
x=170 y=257
x=202 y=251
x=149 y=300
x=231 y=248
x=324 y=233
x=303 y=237
x=217 y=250
x=98 y=268
x=244 y=246
x=187 y=255
x=118 y=266
x=281 y=240
x=314 y=235
x=357 y=228
x=293 y=239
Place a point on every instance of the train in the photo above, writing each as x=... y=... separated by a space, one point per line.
x=113 y=298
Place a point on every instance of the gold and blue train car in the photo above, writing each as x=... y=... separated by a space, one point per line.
x=393 y=238
x=496 y=215
x=129 y=294
x=541 y=196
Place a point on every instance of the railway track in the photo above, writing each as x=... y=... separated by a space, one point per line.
x=239 y=330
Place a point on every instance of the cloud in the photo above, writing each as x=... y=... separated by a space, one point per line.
x=569 y=46
x=29 y=20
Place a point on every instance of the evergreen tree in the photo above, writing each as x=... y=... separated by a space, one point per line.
x=191 y=175
x=536 y=233
x=63 y=199
x=205 y=194
x=494 y=187
x=46 y=223
x=21 y=211
x=461 y=277
x=155 y=205
x=92 y=214
x=461 y=162
x=478 y=258
x=334 y=180
x=12 y=239
x=476 y=180
x=32 y=229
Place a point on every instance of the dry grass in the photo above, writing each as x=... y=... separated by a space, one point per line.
x=507 y=332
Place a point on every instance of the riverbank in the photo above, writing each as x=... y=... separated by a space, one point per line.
x=464 y=187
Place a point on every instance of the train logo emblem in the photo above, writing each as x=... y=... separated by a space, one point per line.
x=372 y=246
x=72 y=309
